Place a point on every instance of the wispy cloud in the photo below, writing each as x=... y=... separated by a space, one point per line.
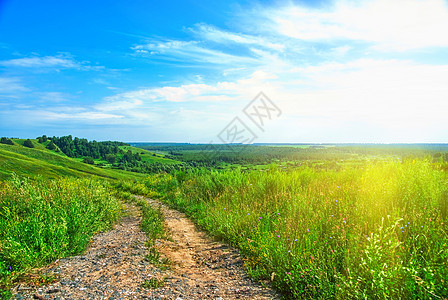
x=11 y=85
x=41 y=62
x=189 y=52
x=222 y=91
x=88 y=115
x=61 y=61
x=211 y=33
x=53 y=97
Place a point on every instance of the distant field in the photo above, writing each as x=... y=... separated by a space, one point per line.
x=149 y=156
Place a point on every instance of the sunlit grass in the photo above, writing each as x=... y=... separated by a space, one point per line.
x=375 y=231
x=41 y=221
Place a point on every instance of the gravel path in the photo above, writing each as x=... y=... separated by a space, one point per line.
x=115 y=267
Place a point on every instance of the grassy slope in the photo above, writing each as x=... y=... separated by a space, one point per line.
x=33 y=162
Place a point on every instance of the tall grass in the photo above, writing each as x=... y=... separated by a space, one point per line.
x=41 y=221
x=373 y=232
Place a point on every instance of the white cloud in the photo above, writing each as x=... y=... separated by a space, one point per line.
x=389 y=25
x=365 y=100
x=41 y=62
x=211 y=33
x=115 y=103
x=61 y=61
x=53 y=96
x=219 y=92
x=189 y=52
x=87 y=115
x=11 y=85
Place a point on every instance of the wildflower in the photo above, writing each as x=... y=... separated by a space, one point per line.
x=308 y=230
x=248 y=214
x=278 y=236
x=289 y=251
x=295 y=240
x=259 y=218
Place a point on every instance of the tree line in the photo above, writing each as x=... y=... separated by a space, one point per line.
x=79 y=147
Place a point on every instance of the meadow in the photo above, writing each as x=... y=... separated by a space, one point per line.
x=43 y=220
x=371 y=231
x=333 y=222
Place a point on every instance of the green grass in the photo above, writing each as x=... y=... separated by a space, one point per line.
x=41 y=221
x=153 y=283
x=150 y=157
x=376 y=231
x=49 y=164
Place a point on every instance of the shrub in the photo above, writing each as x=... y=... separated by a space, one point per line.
x=88 y=160
x=110 y=158
x=28 y=143
x=51 y=146
x=6 y=141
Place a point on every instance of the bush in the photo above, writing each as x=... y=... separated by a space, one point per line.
x=88 y=160
x=28 y=143
x=51 y=146
x=110 y=158
x=6 y=141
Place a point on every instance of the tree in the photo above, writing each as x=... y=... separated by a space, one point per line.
x=128 y=156
x=44 y=138
x=6 y=141
x=40 y=140
x=88 y=160
x=110 y=158
x=28 y=143
x=51 y=146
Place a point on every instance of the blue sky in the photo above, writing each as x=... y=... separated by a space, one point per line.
x=180 y=71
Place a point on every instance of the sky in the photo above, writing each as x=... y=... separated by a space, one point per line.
x=373 y=71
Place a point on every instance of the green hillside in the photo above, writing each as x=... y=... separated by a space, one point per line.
x=151 y=157
x=38 y=161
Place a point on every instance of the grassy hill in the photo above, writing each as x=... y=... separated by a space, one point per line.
x=148 y=156
x=39 y=161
